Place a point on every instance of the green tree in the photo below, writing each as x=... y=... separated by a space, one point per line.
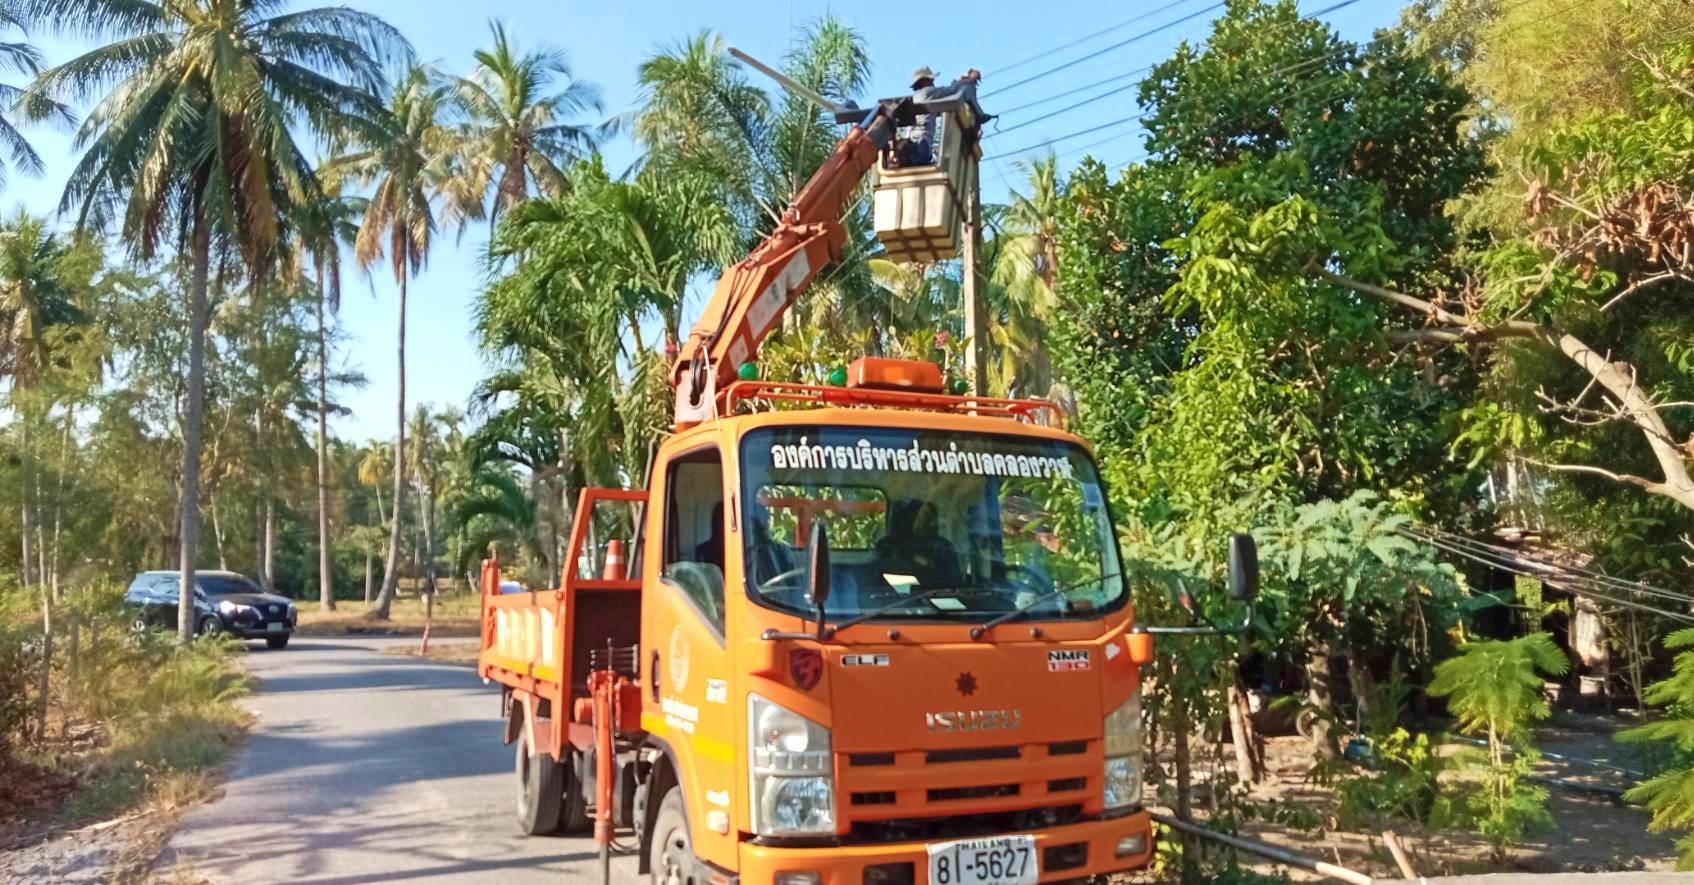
x=518 y=134
x=193 y=142
x=1670 y=794
x=24 y=59
x=400 y=155
x=325 y=227
x=1493 y=688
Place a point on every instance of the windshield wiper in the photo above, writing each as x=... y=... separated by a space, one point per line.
x=979 y=631
x=883 y=610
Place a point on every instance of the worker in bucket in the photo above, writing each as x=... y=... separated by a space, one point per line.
x=917 y=143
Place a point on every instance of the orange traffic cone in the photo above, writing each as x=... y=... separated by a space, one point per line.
x=614 y=570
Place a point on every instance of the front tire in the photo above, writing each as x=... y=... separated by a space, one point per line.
x=277 y=643
x=541 y=789
x=670 y=856
x=211 y=625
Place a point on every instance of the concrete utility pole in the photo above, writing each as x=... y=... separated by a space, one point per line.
x=970 y=247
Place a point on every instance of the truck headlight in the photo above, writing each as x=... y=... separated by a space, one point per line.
x=793 y=773
x=1122 y=739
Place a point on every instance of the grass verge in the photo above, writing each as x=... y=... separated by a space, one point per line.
x=136 y=728
x=456 y=615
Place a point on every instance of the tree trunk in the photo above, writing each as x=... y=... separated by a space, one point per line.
x=202 y=247
x=1361 y=682
x=429 y=538
x=270 y=544
x=326 y=572
x=218 y=532
x=59 y=504
x=24 y=515
x=368 y=557
x=44 y=685
x=391 y=568
x=1181 y=730
x=1320 y=690
x=1247 y=767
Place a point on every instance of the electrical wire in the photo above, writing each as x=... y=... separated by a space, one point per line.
x=1563 y=571
x=1555 y=573
x=1080 y=40
x=1517 y=567
x=1118 y=45
x=1068 y=137
x=1289 y=69
x=1141 y=70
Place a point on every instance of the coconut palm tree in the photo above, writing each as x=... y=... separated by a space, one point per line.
x=192 y=142
x=517 y=133
x=1024 y=262
x=375 y=466
x=24 y=59
x=32 y=301
x=328 y=224
x=401 y=156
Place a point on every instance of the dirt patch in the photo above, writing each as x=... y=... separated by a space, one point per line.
x=1593 y=832
x=117 y=852
x=27 y=789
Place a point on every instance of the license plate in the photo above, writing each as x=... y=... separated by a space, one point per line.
x=1002 y=860
x=276 y=628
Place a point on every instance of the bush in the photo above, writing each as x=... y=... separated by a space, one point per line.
x=167 y=712
x=18 y=654
x=1494 y=688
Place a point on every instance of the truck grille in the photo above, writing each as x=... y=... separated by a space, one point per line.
x=963 y=826
x=965 y=791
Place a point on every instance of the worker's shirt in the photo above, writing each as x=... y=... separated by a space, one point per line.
x=923 y=126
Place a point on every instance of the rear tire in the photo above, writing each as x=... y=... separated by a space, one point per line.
x=540 y=789
x=670 y=856
x=210 y=625
x=573 y=808
x=277 y=643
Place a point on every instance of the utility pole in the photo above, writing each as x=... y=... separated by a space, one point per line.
x=970 y=247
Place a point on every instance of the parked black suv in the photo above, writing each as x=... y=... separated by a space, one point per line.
x=224 y=603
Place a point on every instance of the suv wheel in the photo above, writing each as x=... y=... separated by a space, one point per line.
x=277 y=642
x=211 y=625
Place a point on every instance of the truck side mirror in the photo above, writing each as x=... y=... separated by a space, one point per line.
x=817 y=569
x=1243 y=567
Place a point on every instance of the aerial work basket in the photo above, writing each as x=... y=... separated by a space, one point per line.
x=918 y=209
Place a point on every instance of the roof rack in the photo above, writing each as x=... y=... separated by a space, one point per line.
x=757 y=394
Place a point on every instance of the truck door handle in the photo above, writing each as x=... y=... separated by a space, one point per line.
x=653 y=675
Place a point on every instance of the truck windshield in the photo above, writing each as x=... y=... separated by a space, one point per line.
x=927 y=525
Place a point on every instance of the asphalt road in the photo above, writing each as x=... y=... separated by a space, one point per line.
x=365 y=767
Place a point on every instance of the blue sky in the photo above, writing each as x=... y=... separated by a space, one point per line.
x=606 y=42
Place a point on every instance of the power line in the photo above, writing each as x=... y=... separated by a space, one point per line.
x=1069 y=136
x=1118 y=45
x=1559 y=571
x=1087 y=101
x=1141 y=70
x=1517 y=566
x=1100 y=33
x=1514 y=562
x=1289 y=69
x=1094 y=144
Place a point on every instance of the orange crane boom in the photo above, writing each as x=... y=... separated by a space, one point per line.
x=752 y=295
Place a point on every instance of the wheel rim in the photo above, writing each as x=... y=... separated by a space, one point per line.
x=139 y=625
x=212 y=627
x=672 y=850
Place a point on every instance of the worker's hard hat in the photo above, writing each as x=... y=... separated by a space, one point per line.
x=922 y=73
